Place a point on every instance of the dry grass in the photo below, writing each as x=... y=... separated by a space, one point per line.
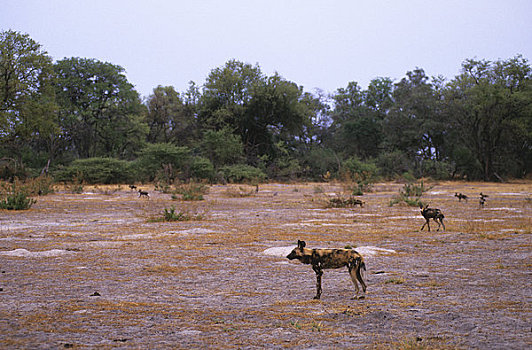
x=204 y=283
x=417 y=343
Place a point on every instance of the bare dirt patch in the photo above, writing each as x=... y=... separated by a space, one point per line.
x=91 y=270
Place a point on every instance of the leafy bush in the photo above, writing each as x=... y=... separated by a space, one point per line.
x=162 y=160
x=202 y=168
x=317 y=162
x=437 y=170
x=285 y=168
x=466 y=164
x=11 y=168
x=41 y=185
x=242 y=173
x=239 y=192
x=171 y=215
x=192 y=191
x=411 y=194
x=362 y=173
x=96 y=171
x=222 y=146
x=393 y=164
x=15 y=197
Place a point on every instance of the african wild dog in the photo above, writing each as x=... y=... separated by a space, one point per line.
x=460 y=196
x=132 y=187
x=330 y=259
x=482 y=200
x=431 y=213
x=144 y=193
x=356 y=202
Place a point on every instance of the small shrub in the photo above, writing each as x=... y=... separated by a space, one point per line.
x=41 y=185
x=163 y=187
x=411 y=194
x=241 y=192
x=398 y=280
x=359 y=176
x=75 y=186
x=413 y=189
x=16 y=197
x=170 y=215
x=318 y=189
x=191 y=192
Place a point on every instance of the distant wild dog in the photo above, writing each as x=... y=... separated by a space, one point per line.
x=460 y=196
x=432 y=213
x=337 y=202
x=331 y=259
x=132 y=187
x=144 y=194
x=482 y=200
x=356 y=202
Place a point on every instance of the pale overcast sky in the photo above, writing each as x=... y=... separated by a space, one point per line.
x=316 y=44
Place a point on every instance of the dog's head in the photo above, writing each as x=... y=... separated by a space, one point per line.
x=297 y=253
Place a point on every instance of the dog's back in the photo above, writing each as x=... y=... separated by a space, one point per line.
x=335 y=258
x=330 y=259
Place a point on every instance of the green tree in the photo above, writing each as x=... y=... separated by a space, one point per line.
x=357 y=118
x=490 y=108
x=261 y=110
x=415 y=124
x=28 y=119
x=278 y=111
x=101 y=113
x=167 y=117
x=225 y=94
x=222 y=147
x=163 y=161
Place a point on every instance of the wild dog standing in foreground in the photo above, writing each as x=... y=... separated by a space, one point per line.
x=330 y=259
x=432 y=213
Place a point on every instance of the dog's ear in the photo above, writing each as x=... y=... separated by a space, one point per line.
x=301 y=244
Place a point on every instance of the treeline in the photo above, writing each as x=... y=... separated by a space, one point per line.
x=81 y=118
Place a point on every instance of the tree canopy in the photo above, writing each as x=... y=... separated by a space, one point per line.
x=240 y=121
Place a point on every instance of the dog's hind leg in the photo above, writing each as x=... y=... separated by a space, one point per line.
x=354 y=271
x=319 y=273
x=436 y=221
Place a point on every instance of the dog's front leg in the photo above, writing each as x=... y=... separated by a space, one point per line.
x=319 y=272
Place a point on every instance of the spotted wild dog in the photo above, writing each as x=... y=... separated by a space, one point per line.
x=331 y=259
x=460 y=196
x=482 y=200
x=355 y=202
x=432 y=213
x=144 y=193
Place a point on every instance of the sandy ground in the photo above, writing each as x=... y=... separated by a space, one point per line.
x=92 y=270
